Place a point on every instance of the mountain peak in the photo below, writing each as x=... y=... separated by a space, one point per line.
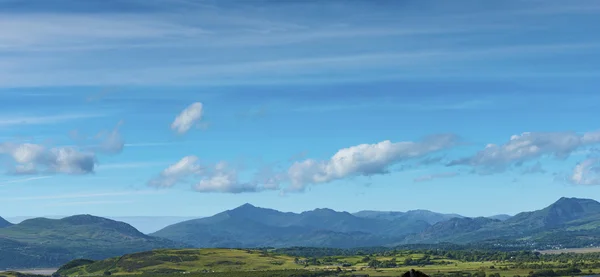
x=246 y=206
x=575 y=203
x=84 y=219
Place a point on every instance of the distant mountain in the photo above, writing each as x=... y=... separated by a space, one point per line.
x=56 y=241
x=417 y=215
x=4 y=223
x=567 y=217
x=145 y=224
x=557 y=214
x=569 y=222
x=451 y=230
x=250 y=226
x=500 y=217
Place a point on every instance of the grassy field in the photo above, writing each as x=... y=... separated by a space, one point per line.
x=572 y=250
x=198 y=261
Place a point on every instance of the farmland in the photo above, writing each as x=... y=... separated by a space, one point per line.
x=392 y=263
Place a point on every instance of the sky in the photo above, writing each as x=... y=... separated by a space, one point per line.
x=188 y=108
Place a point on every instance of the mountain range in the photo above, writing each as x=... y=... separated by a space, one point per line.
x=569 y=222
x=250 y=226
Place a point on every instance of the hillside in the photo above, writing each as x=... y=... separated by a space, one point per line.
x=4 y=223
x=301 y=262
x=52 y=242
x=250 y=226
x=415 y=215
x=184 y=260
x=574 y=218
x=500 y=217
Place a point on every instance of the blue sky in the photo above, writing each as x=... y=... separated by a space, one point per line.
x=188 y=108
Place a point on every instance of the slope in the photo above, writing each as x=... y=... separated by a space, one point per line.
x=76 y=236
x=412 y=215
x=4 y=223
x=183 y=260
x=566 y=217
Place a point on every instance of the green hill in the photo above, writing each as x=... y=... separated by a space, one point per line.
x=50 y=242
x=183 y=260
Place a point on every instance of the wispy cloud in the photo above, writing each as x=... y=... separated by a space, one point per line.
x=422 y=106
x=341 y=41
x=82 y=195
x=129 y=165
x=149 y=144
x=431 y=177
x=22 y=180
x=87 y=203
x=10 y=120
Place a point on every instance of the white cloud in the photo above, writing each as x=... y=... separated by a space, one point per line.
x=525 y=147
x=220 y=177
x=181 y=171
x=225 y=180
x=187 y=118
x=434 y=176
x=363 y=159
x=586 y=172
x=34 y=158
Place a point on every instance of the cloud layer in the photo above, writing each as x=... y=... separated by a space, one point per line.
x=527 y=147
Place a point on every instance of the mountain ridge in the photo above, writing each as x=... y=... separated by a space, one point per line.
x=385 y=228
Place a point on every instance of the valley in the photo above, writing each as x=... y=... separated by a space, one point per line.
x=306 y=261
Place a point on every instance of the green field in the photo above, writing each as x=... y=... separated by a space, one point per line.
x=255 y=262
x=572 y=250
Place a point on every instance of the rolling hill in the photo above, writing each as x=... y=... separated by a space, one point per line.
x=183 y=260
x=51 y=242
